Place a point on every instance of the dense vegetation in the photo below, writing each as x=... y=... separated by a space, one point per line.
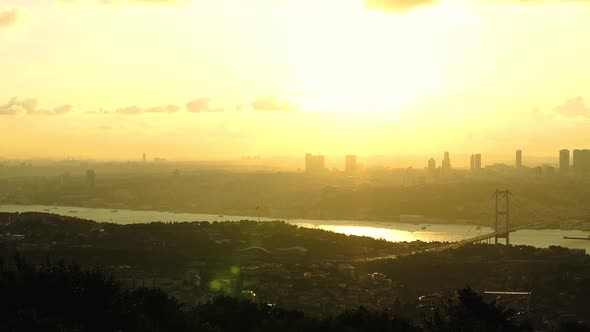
x=60 y=297
x=164 y=246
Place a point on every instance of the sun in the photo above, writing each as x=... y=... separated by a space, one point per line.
x=352 y=60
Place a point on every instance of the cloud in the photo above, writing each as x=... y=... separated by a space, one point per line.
x=136 y=110
x=64 y=109
x=9 y=17
x=398 y=6
x=200 y=105
x=60 y=110
x=130 y=110
x=16 y=106
x=28 y=106
x=573 y=107
x=274 y=103
x=163 y=109
x=11 y=110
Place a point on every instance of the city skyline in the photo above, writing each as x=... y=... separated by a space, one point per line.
x=331 y=160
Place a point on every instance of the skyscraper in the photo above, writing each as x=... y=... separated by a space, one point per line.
x=431 y=164
x=350 y=163
x=576 y=161
x=518 y=159
x=564 y=161
x=308 y=161
x=319 y=163
x=475 y=162
x=446 y=163
x=314 y=163
x=581 y=161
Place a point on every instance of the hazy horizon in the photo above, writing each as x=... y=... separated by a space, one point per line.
x=294 y=162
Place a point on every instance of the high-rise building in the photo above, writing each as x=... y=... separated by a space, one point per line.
x=475 y=162
x=472 y=162
x=431 y=164
x=518 y=159
x=564 y=161
x=446 y=163
x=548 y=170
x=144 y=157
x=319 y=163
x=581 y=161
x=350 y=164
x=314 y=163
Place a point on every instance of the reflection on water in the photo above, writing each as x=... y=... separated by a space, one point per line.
x=398 y=235
x=392 y=235
x=400 y=232
x=390 y=231
x=452 y=233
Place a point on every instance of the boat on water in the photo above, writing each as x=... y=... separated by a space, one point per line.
x=423 y=228
x=73 y=211
x=114 y=211
x=577 y=238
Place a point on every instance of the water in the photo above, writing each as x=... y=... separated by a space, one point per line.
x=391 y=231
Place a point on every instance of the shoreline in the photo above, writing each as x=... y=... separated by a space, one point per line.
x=315 y=221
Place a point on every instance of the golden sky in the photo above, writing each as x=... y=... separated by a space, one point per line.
x=209 y=79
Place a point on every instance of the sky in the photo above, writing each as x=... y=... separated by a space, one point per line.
x=211 y=79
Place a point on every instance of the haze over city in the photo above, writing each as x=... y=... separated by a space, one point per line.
x=198 y=80
x=294 y=165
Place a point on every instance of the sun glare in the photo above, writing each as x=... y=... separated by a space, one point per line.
x=351 y=59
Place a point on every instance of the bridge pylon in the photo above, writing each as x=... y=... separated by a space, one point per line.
x=502 y=195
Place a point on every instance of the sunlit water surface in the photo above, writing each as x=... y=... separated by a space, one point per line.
x=390 y=231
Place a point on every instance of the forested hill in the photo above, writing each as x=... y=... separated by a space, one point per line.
x=153 y=243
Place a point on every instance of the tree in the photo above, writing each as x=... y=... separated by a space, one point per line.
x=469 y=312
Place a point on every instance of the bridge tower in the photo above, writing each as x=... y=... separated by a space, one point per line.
x=502 y=213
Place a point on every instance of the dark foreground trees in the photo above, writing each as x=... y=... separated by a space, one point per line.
x=469 y=312
x=60 y=297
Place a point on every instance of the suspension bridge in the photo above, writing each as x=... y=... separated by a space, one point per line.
x=502 y=216
x=501 y=226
